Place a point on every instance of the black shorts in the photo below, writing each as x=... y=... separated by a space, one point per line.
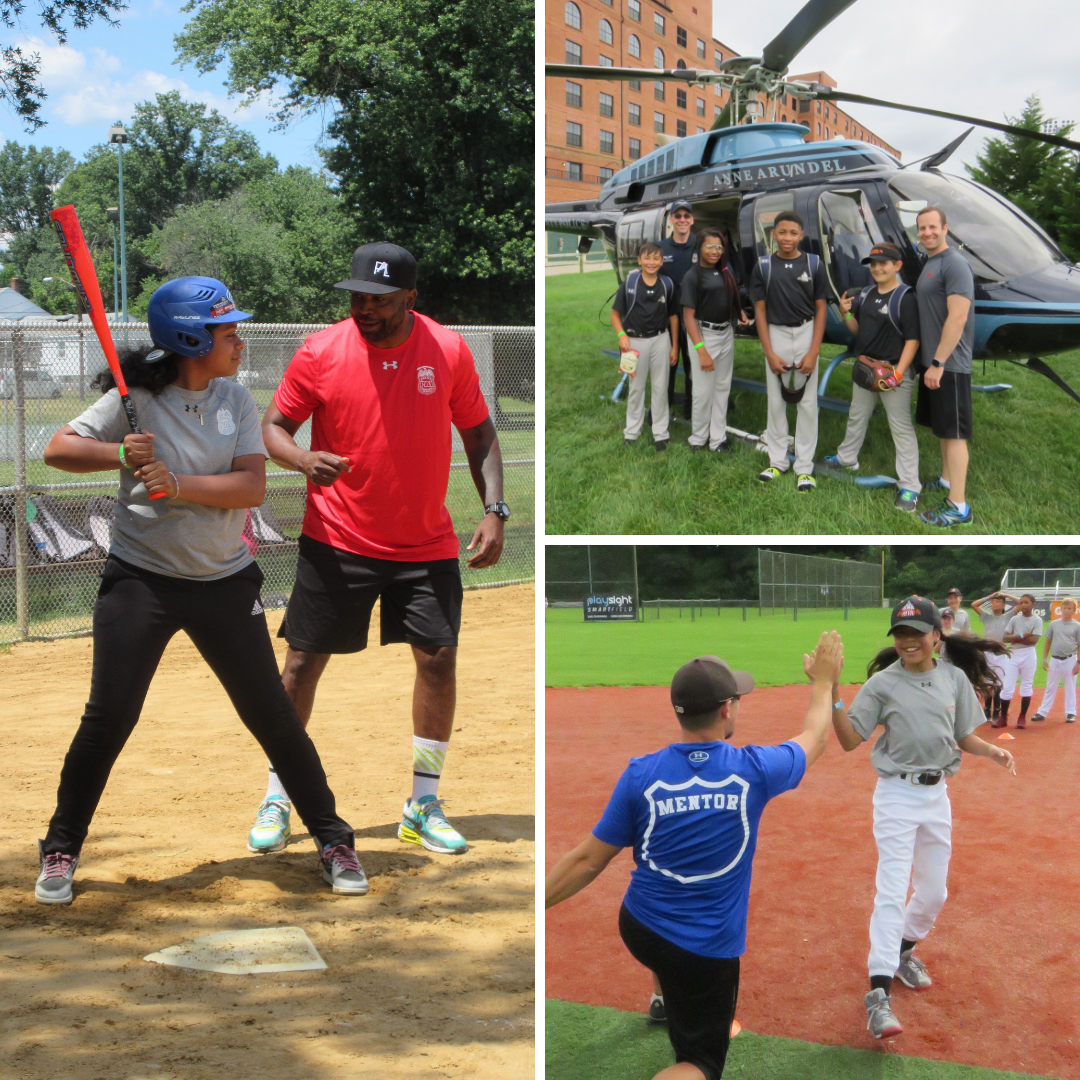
x=330 y=607
x=946 y=411
x=700 y=993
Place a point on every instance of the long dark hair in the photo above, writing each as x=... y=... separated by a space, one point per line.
x=966 y=652
x=137 y=372
x=725 y=269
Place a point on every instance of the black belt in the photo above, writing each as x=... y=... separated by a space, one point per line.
x=714 y=325
x=1069 y=657
x=792 y=325
x=655 y=333
x=928 y=779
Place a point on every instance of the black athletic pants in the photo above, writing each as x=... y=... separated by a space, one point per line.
x=136 y=614
x=700 y=993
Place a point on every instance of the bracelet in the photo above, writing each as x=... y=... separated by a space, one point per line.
x=622 y=333
x=837 y=705
x=700 y=345
x=847 y=317
x=177 y=483
x=123 y=460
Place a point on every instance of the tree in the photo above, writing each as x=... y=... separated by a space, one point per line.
x=432 y=134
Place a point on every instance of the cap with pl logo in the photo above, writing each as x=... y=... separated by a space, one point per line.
x=704 y=684
x=918 y=613
x=380 y=268
x=884 y=253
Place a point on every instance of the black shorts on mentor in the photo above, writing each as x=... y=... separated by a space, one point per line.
x=700 y=993
x=946 y=411
x=330 y=607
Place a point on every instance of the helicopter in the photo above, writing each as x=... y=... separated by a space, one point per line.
x=748 y=168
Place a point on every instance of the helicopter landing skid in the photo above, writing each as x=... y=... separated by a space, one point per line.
x=1043 y=368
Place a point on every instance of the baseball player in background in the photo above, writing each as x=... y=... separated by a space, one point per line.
x=961 y=619
x=929 y=712
x=1002 y=608
x=382 y=388
x=1022 y=633
x=1060 y=647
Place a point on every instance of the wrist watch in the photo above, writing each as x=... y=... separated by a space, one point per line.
x=499 y=509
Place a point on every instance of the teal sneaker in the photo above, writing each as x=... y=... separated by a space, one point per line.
x=271 y=830
x=424 y=823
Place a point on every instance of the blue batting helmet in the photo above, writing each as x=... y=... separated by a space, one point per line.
x=181 y=312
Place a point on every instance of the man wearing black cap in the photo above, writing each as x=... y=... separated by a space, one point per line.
x=885 y=321
x=680 y=253
x=691 y=812
x=382 y=389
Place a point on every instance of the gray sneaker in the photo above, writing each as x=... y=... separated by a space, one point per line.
x=341 y=870
x=57 y=873
x=881 y=1021
x=912 y=972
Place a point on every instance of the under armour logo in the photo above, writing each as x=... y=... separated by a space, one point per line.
x=389 y=364
x=382 y=268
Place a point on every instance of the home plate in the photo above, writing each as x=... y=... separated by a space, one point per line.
x=245 y=952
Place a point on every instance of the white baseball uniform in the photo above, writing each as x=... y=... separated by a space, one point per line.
x=1064 y=638
x=924 y=715
x=1023 y=659
x=994 y=630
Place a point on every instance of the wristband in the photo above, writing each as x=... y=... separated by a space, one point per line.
x=177 y=483
x=123 y=460
x=837 y=705
x=700 y=345
x=622 y=333
x=847 y=316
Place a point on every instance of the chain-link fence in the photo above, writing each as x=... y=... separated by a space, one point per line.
x=787 y=580
x=574 y=571
x=54 y=534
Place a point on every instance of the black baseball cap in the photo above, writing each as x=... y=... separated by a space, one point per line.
x=884 y=253
x=704 y=684
x=954 y=591
x=680 y=204
x=380 y=268
x=918 y=613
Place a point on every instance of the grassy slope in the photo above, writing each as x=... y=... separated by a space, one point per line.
x=1023 y=479
x=588 y=1043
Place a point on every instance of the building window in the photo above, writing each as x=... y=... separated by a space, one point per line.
x=716 y=111
x=700 y=49
x=573 y=94
x=817 y=105
x=658 y=121
x=699 y=105
x=606 y=61
x=607 y=142
x=633 y=46
x=634 y=84
x=607 y=104
x=680 y=128
x=605 y=173
x=783 y=119
x=573 y=15
x=573 y=52
x=606 y=35
x=819 y=129
x=717 y=89
x=633 y=9
x=845 y=124
x=573 y=170
x=658 y=23
x=633 y=149
x=573 y=133
x=634 y=114
x=680 y=37
x=658 y=91
x=680 y=98
x=658 y=58
x=700 y=130
x=718 y=57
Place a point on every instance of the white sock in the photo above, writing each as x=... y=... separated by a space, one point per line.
x=275 y=787
x=944 y=483
x=429 y=756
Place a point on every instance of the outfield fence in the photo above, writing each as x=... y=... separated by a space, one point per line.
x=55 y=535
x=787 y=580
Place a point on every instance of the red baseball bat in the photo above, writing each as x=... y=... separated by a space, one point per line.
x=84 y=278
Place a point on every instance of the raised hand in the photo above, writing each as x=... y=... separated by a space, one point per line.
x=826 y=662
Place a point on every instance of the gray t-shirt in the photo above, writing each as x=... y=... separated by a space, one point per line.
x=946 y=274
x=1024 y=624
x=961 y=620
x=994 y=625
x=1064 y=637
x=924 y=715
x=198 y=433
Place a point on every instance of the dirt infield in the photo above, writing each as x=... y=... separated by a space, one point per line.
x=1003 y=955
x=431 y=974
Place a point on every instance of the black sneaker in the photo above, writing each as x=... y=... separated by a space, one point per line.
x=694 y=449
x=724 y=448
x=661 y=444
x=657 y=1012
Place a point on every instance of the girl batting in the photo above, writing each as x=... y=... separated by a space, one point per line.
x=180 y=563
x=929 y=710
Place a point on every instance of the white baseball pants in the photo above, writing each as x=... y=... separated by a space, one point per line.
x=791 y=344
x=998 y=664
x=897 y=406
x=1059 y=671
x=653 y=365
x=708 y=421
x=1022 y=664
x=913 y=831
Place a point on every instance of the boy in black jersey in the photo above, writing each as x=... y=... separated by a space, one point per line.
x=870 y=316
x=645 y=318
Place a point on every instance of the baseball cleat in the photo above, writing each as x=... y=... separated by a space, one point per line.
x=906 y=500
x=947 y=516
x=881 y=1021
x=696 y=448
x=271 y=830
x=56 y=877
x=423 y=822
x=834 y=463
x=1070 y=719
x=912 y=972
x=1037 y=716
x=341 y=870
x=661 y=444
x=724 y=448
x=1021 y=722
x=769 y=474
x=805 y=483
x=657 y=1012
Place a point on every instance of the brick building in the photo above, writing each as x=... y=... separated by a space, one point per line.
x=593 y=128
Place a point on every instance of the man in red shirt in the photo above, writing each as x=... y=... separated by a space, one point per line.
x=382 y=389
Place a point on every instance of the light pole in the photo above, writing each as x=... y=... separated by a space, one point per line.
x=82 y=350
x=119 y=136
x=112 y=214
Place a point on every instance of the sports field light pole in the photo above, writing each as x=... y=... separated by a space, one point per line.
x=637 y=593
x=119 y=136
x=112 y=214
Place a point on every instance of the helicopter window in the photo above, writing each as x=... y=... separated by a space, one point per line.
x=573 y=15
x=606 y=35
x=848 y=232
x=765 y=210
x=750 y=140
x=669 y=161
x=650 y=167
x=633 y=45
x=997 y=240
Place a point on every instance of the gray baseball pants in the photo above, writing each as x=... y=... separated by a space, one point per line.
x=791 y=344
x=708 y=422
x=653 y=365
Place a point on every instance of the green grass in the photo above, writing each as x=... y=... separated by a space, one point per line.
x=769 y=646
x=584 y=1042
x=1023 y=477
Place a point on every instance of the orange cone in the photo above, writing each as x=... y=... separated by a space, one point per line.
x=1006 y=735
x=736 y=1027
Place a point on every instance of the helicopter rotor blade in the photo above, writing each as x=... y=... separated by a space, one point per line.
x=614 y=74
x=1010 y=129
x=807 y=24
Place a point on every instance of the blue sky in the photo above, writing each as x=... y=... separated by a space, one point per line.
x=102 y=72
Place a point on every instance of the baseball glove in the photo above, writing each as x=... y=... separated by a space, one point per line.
x=874 y=375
